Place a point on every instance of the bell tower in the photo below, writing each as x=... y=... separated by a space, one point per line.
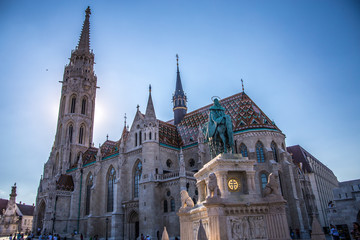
x=77 y=104
x=179 y=97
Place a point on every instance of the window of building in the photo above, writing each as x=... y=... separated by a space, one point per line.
x=168 y=193
x=71 y=130
x=263 y=178
x=172 y=205
x=137 y=176
x=191 y=162
x=89 y=184
x=81 y=135
x=136 y=139
x=110 y=190
x=140 y=140
x=83 y=106
x=149 y=135
x=243 y=150
x=274 y=151
x=260 y=152
x=73 y=105
x=168 y=163
x=165 y=206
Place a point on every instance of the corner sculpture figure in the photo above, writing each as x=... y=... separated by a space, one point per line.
x=218 y=131
x=272 y=187
x=186 y=201
x=214 y=190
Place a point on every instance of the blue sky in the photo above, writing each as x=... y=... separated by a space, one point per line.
x=300 y=61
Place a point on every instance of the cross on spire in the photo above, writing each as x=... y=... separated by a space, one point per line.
x=125 y=119
x=107 y=137
x=242 y=84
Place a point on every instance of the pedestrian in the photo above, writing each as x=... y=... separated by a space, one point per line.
x=334 y=232
x=142 y=237
x=355 y=233
x=10 y=237
x=81 y=236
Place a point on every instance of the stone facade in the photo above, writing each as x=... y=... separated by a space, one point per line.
x=345 y=208
x=15 y=217
x=132 y=185
x=317 y=182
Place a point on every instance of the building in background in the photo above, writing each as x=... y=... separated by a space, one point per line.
x=345 y=208
x=132 y=185
x=15 y=217
x=317 y=184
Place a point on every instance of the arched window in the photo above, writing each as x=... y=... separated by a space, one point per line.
x=71 y=130
x=62 y=110
x=140 y=140
x=137 y=176
x=274 y=151
x=263 y=178
x=260 y=152
x=172 y=205
x=110 y=190
x=73 y=105
x=149 y=135
x=165 y=206
x=135 y=139
x=168 y=163
x=81 y=135
x=243 y=150
x=83 y=106
x=89 y=184
x=191 y=162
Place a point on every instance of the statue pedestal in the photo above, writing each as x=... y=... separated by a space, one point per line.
x=230 y=206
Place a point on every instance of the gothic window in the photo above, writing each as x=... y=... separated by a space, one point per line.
x=83 y=106
x=187 y=187
x=62 y=106
x=168 y=163
x=274 y=151
x=243 y=150
x=191 y=162
x=165 y=206
x=81 y=135
x=150 y=136
x=260 y=152
x=71 y=130
x=140 y=140
x=263 y=178
x=69 y=160
x=137 y=176
x=172 y=205
x=135 y=139
x=110 y=190
x=144 y=136
x=73 y=104
x=89 y=184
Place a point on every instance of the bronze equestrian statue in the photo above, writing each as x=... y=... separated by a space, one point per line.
x=218 y=131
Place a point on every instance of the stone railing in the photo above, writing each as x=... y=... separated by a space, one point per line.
x=166 y=176
x=190 y=174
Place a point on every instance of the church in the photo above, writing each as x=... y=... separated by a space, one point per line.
x=131 y=186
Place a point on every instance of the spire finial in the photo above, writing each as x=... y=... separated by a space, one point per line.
x=107 y=137
x=125 y=120
x=88 y=11
x=149 y=88
x=242 y=84
x=84 y=41
x=177 y=62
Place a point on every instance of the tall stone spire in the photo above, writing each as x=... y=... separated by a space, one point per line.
x=179 y=97
x=84 y=42
x=150 y=111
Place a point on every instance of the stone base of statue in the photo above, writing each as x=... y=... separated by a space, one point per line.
x=232 y=206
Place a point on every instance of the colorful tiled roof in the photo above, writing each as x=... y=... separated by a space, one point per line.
x=89 y=155
x=169 y=135
x=109 y=148
x=245 y=114
x=65 y=183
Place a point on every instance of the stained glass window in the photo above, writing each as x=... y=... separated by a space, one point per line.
x=243 y=150
x=137 y=177
x=89 y=184
x=110 y=190
x=260 y=152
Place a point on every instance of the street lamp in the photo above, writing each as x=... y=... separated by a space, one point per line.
x=106 y=228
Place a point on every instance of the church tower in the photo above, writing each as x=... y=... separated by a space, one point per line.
x=76 y=113
x=179 y=97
